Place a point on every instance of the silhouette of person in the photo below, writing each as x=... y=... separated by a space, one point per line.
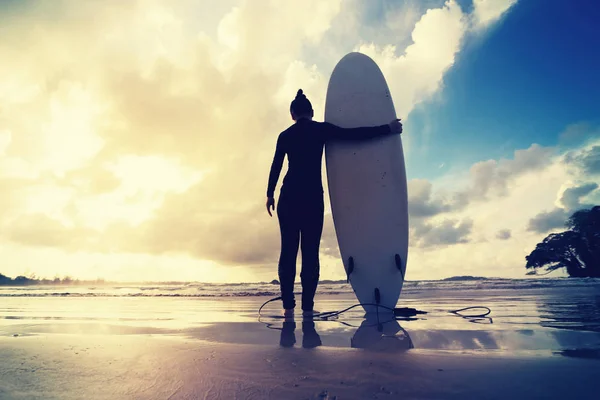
x=300 y=208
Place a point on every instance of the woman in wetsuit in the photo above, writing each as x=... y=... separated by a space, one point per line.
x=300 y=208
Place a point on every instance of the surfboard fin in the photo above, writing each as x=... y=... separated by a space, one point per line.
x=350 y=268
x=399 y=263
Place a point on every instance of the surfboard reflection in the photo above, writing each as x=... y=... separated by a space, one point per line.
x=378 y=336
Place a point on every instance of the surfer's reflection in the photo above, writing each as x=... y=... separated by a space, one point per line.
x=288 y=337
x=381 y=336
x=310 y=337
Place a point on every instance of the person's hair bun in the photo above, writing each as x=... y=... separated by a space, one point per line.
x=301 y=105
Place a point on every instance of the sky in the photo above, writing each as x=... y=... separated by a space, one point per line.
x=136 y=137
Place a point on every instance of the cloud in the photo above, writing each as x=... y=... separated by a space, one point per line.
x=503 y=234
x=170 y=108
x=588 y=160
x=417 y=73
x=571 y=197
x=570 y=201
x=146 y=129
x=446 y=232
x=5 y=139
x=486 y=179
x=486 y=12
x=420 y=202
x=501 y=220
x=41 y=230
x=577 y=132
x=329 y=245
x=548 y=220
x=242 y=235
x=269 y=34
x=493 y=177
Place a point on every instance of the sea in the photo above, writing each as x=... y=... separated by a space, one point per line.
x=418 y=288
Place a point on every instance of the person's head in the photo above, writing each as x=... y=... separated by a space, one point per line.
x=301 y=107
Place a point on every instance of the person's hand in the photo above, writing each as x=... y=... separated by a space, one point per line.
x=396 y=126
x=270 y=205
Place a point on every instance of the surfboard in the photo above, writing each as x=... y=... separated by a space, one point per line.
x=367 y=184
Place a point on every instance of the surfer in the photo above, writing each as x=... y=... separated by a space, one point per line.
x=300 y=208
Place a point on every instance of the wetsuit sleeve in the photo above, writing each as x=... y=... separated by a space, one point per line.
x=368 y=132
x=276 y=167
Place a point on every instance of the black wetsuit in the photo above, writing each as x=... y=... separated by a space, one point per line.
x=300 y=207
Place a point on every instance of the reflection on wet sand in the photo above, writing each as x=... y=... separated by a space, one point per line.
x=456 y=340
x=579 y=313
x=371 y=335
x=376 y=336
x=388 y=336
x=288 y=334
x=310 y=337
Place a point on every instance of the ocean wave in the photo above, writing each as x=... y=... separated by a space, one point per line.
x=200 y=290
x=104 y=294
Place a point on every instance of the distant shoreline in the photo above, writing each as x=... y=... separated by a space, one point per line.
x=67 y=281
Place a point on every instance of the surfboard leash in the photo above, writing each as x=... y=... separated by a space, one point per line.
x=401 y=312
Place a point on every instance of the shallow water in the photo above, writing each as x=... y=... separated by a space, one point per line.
x=556 y=317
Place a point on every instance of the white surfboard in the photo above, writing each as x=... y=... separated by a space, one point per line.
x=367 y=184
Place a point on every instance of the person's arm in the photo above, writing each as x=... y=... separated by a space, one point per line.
x=274 y=173
x=367 y=132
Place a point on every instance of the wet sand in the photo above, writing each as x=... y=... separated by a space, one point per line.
x=537 y=344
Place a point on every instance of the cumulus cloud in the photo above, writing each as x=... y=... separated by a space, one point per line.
x=493 y=177
x=579 y=192
x=503 y=234
x=41 y=230
x=146 y=129
x=500 y=212
x=446 y=232
x=417 y=73
x=548 y=220
x=122 y=138
x=420 y=201
x=570 y=202
x=588 y=159
x=490 y=178
x=576 y=132
x=486 y=12
x=571 y=197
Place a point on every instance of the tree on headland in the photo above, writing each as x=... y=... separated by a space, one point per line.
x=576 y=249
x=22 y=280
x=4 y=280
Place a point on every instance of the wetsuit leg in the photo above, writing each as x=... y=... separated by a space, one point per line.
x=290 y=237
x=310 y=231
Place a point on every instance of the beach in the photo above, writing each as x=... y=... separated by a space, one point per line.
x=541 y=339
